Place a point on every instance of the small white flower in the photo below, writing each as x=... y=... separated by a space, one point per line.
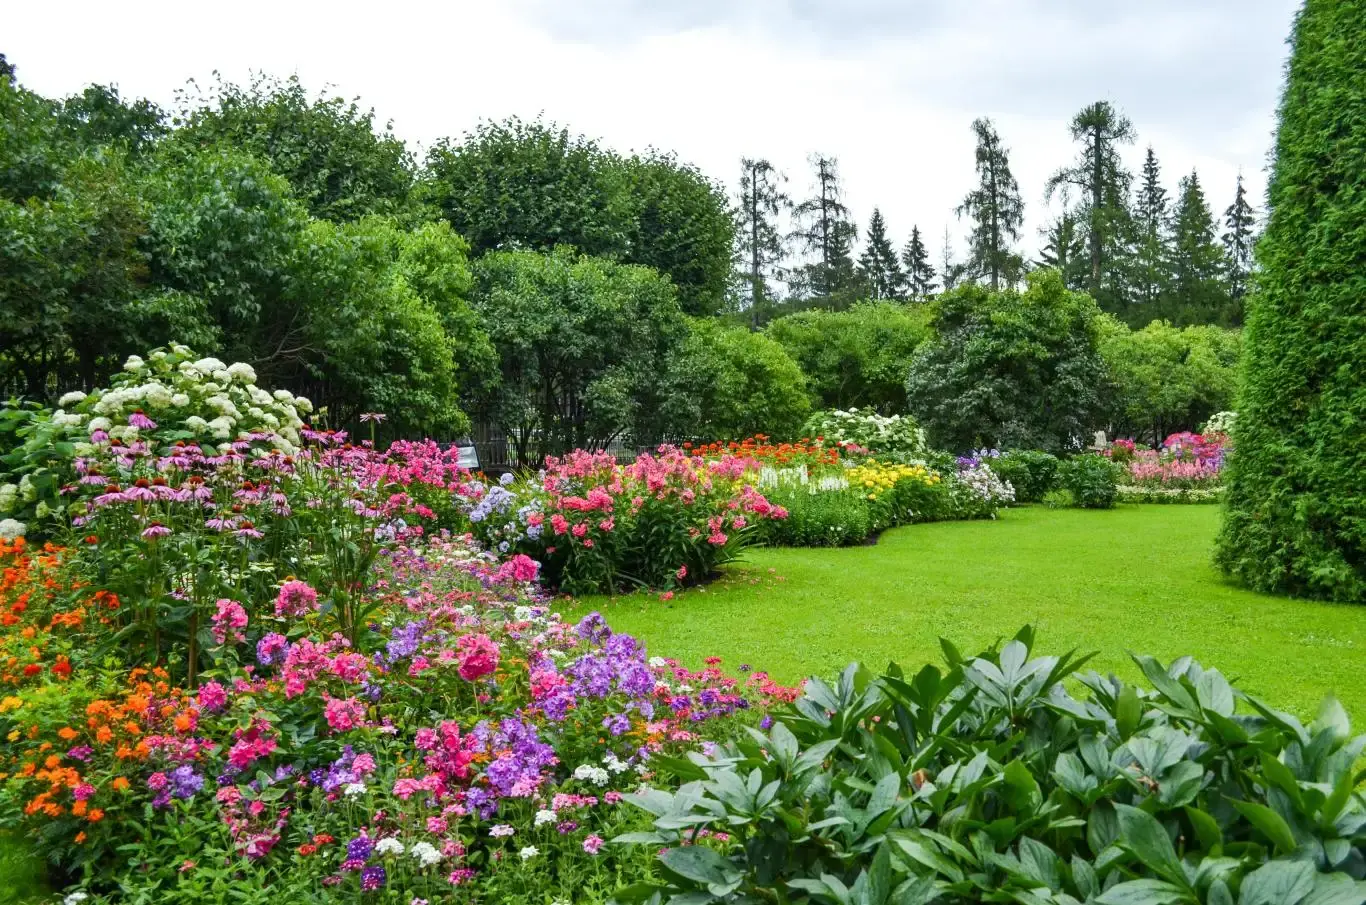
x=74 y=898
x=544 y=816
x=614 y=764
x=353 y=789
x=11 y=528
x=425 y=853
x=389 y=846
x=591 y=773
x=71 y=398
x=658 y=661
x=529 y=852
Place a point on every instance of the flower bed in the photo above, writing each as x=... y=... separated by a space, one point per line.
x=1188 y=468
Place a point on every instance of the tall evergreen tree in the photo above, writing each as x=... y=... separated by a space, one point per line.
x=997 y=211
x=919 y=270
x=825 y=231
x=762 y=245
x=1104 y=184
x=1198 y=293
x=881 y=269
x=1065 y=248
x=1239 y=225
x=1151 y=265
x=1296 y=499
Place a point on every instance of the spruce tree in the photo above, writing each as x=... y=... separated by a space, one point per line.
x=1151 y=265
x=951 y=272
x=881 y=269
x=997 y=211
x=919 y=270
x=1239 y=223
x=1198 y=293
x=762 y=245
x=1104 y=183
x=1065 y=249
x=825 y=232
x=1296 y=498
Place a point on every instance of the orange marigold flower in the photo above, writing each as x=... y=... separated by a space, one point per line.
x=80 y=837
x=78 y=808
x=53 y=761
x=103 y=735
x=95 y=815
x=120 y=784
x=66 y=733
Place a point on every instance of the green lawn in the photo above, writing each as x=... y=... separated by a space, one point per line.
x=1133 y=578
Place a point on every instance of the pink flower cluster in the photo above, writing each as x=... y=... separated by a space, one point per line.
x=228 y=622
x=296 y=598
x=478 y=656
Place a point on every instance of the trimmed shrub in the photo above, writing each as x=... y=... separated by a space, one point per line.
x=1090 y=479
x=1296 y=516
x=1032 y=473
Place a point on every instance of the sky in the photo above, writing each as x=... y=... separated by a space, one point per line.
x=889 y=87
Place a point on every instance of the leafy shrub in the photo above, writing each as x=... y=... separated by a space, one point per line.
x=1091 y=480
x=893 y=436
x=1297 y=486
x=1030 y=472
x=990 y=780
x=816 y=518
x=1060 y=499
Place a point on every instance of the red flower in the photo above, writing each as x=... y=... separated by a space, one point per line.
x=32 y=669
x=62 y=667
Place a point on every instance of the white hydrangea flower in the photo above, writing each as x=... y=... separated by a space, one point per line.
x=156 y=395
x=11 y=528
x=27 y=492
x=71 y=398
x=9 y=495
x=209 y=365
x=158 y=355
x=223 y=405
x=99 y=424
x=63 y=419
x=43 y=509
x=545 y=816
x=124 y=432
x=221 y=427
x=180 y=348
x=389 y=846
x=283 y=396
x=196 y=424
x=425 y=853
x=243 y=372
x=134 y=363
x=256 y=414
x=180 y=400
x=222 y=375
x=209 y=386
x=302 y=404
x=75 y=898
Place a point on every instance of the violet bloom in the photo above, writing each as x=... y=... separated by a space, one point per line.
x=360 y=848
x=372 y=878
x=272 y=649
x=617 y=724
x=185 y=781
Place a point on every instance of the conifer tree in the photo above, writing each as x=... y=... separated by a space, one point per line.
x=762 y=245
x=1151 y=264
x=1198 y=293
x=1295 y=506
x=1104 y=183
x=1065 y=248
x=919 y=271
x=881 y=269
x=825 y=232
x=997 y=211
x=1239 y=225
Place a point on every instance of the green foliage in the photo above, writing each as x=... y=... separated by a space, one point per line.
x=1199 y=267
x=1296 y=513
x=99 y=116
x=328 y=149
x=1009 y=369
x=579 y=342
x=996 y=210
x=1091 y=480
x=727 y=383
x=856 y=357
x=533 y=185
x=1166 y=378
x=1032 y=473
x=894 y=437
x=681 y=225
x=987 y=776
x=818 y=518
x=879 y=263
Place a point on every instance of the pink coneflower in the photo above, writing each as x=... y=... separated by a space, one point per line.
x=247 y=529
x=141 y=421
x=155 y=530
x=373 y=417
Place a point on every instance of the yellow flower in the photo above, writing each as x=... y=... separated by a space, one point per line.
x=11 y=703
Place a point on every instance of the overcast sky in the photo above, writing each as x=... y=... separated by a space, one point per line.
x=887 y=86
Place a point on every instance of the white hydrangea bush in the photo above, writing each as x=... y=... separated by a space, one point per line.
x=1220 y=423
x=175 y=395
x=896 y=436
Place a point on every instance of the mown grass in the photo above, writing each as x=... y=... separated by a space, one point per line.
x=1136 y=578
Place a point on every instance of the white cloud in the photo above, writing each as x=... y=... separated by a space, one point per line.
x=892 y=100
